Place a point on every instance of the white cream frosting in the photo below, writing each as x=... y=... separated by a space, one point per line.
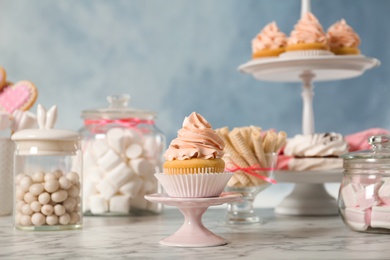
x=316 y=145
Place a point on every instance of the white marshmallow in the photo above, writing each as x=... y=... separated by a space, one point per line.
x=132 y=187
x=120 y=175
x=132 y=136
x=384 y=192
x=150 y=186
x=120 y=203
x=350 y=194
x=380 y=217
x=89 y=160
x=94 y=174
x=155 y=207
x=139 y=202
x=134 y=151
x=142 y=167
x=99 y=147
x=358 y=218
x=98 y=204
x=89 y=189
x=106 y=189
x=109 y=160
x=152 y=147
x=116 y=139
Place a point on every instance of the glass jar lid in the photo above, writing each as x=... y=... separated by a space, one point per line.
x=380 y=149
x=117 y=109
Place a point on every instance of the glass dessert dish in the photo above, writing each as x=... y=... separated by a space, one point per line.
x=242 y=212
x=364 y=197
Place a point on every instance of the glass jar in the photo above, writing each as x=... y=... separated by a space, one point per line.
x=364 y=197
x=47 y=177
x=122 y=149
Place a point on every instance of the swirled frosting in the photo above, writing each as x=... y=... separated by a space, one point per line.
x=316 y=145
x=341 y=34
x=307 y=30
x=196 y=139
x=270 y=37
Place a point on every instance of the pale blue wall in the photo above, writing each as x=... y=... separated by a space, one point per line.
x=179 y=56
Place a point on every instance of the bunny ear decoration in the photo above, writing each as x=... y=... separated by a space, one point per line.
x=51 y=117
x=46 y=120
x=41 y=116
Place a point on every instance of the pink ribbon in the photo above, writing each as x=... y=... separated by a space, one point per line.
x=252 y=171
x=126 y=122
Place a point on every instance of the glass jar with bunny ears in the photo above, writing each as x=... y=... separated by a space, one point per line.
x=122 y=149
x=47 y=176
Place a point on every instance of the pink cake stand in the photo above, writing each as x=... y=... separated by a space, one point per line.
x=193 y=233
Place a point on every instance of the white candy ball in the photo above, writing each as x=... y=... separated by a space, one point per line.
x=50 y=176
x=35 y=206
x=25 y=220
x=19 y=177
x=64 y=183
x=74 y=218
x=47 y=209
x=59 y=196
x=19 y=205
x=17 y=218
x=38 y=219
x=58 y=174
x=51 y=220
x=26 y=209
x=59 y=210
x=38 y=177
x=78 y=200
x=69 y=204
x=44 y=198
x=19 y=193
x=29 y=197
x=64 y=219
x=25 y=183
x=77 y=208
x=73 y=177
x=52 y=185
x=36 y=189
x=73 y=191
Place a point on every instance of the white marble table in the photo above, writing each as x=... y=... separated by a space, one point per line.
x=281 y=237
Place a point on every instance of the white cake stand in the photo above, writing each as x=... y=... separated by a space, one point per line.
x=193 y=233
x=309 y=196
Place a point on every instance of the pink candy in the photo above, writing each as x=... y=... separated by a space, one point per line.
x=367 y=202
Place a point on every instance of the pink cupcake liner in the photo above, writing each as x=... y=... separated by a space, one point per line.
x=194 y=185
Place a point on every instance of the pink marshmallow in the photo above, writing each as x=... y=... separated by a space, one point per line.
x=380 y=217
x=358 y=218
x=384 y=192
x=350 y=194
x=368 y=197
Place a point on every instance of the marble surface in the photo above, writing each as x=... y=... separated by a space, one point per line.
x=281 y=237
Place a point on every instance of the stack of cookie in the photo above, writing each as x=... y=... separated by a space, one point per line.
x=15 y=101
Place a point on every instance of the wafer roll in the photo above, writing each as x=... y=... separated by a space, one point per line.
x=269 y=142
x=282 y=136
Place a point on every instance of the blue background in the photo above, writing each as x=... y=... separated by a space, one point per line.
x=177 y=56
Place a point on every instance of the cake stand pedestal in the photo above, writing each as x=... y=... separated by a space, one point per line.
x=308 y=197
x=193 y=233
